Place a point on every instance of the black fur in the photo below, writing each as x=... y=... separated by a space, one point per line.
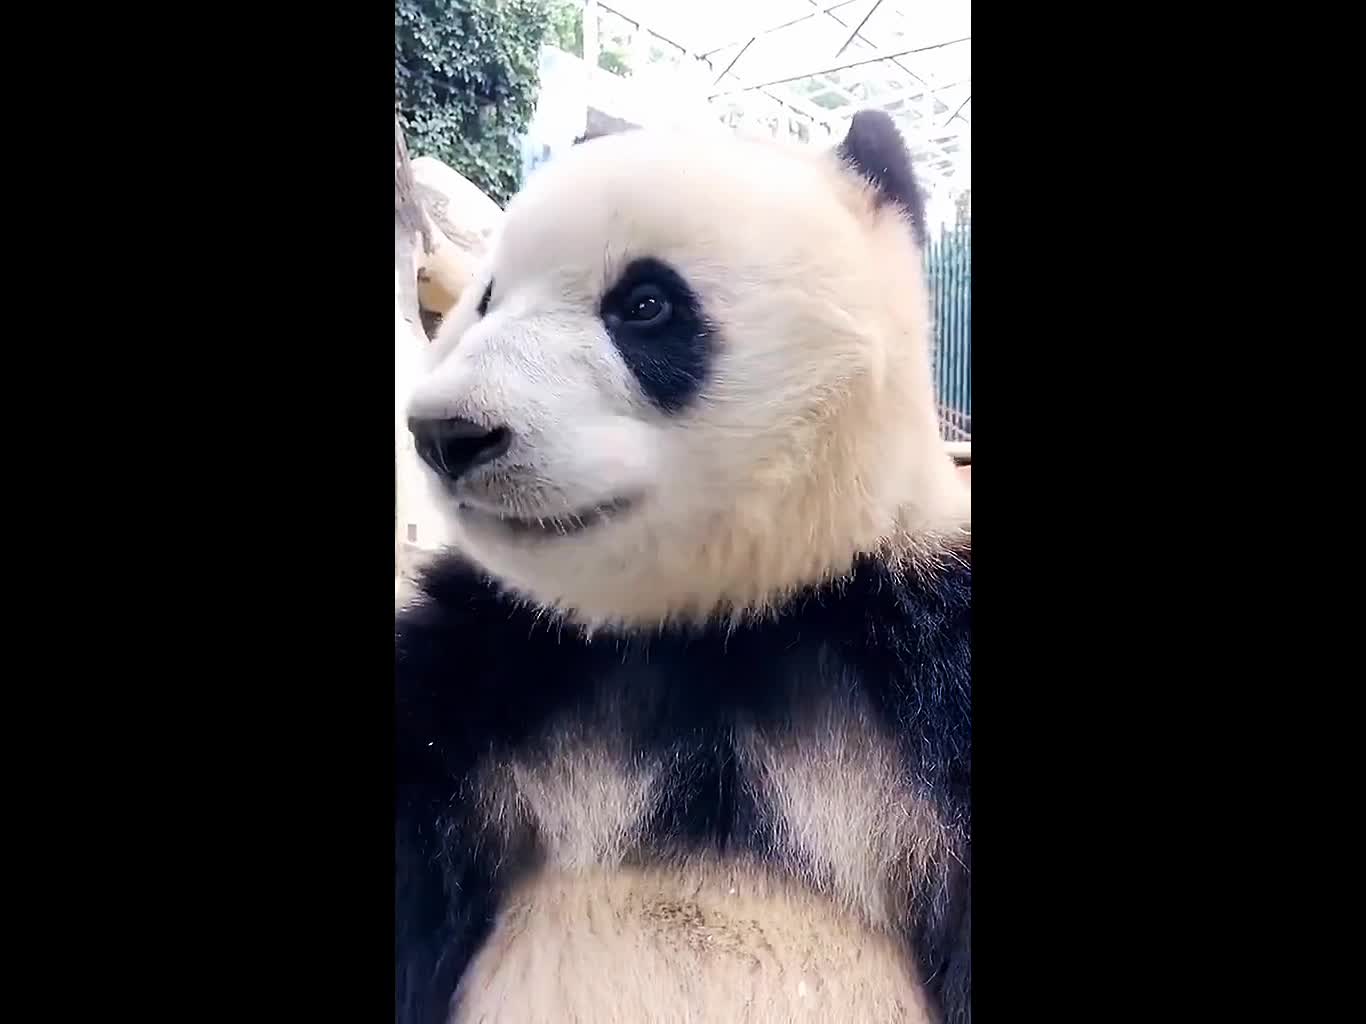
x=592 y=134
x=669 y=361
x=484 y=299
x=874 y=148
x=477 y=674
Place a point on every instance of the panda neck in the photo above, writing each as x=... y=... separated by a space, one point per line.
x=749 y=567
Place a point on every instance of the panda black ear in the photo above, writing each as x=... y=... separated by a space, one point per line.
x=875 y=151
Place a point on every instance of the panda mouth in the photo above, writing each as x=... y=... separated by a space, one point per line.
x=560 y=525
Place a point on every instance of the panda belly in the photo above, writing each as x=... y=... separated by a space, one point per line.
x=708 y=942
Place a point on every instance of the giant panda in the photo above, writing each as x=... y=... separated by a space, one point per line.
x=683 y=718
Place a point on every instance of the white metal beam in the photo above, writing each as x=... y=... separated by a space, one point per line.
x=758 y=33
x=590 y=33
x=790 y=100
x=872 y=58
x=859 y=28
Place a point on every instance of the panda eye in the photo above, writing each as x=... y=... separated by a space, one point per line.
x=647 y=306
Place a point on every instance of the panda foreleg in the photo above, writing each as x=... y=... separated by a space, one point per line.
x=443 y=902
x=952 y=987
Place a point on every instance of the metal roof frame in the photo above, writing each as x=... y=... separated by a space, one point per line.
x=932 y=114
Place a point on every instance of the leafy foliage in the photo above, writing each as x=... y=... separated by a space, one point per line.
x=466 y=77
x=615 y=60
x=566 y=26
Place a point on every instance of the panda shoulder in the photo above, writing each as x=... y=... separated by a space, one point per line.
x=917 y=609
x=452 y=590
x=904 y=628
x=457 y=618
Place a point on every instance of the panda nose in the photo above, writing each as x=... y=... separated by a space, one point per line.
x=453 y=447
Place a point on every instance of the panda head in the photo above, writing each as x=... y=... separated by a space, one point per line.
x=693 y=377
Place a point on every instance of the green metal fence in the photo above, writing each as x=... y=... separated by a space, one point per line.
x=948 y=260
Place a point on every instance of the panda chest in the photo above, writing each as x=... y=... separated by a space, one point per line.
x=827 y=800
x=790 y=923
x=580 y=801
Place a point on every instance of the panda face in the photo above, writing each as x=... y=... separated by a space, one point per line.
x=678 y=357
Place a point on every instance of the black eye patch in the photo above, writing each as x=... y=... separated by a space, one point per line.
x=484 y=300
x=657 y=325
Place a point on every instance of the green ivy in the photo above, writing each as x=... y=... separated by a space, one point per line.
x=614 y=60
x=466 y=77
x=566 y=26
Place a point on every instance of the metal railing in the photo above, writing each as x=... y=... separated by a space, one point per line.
x=948 y=263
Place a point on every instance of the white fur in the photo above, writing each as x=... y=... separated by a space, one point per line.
x=705 y=944
x=586 y=804
x=847 y=817
x=843 y=814
x=815 y=438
